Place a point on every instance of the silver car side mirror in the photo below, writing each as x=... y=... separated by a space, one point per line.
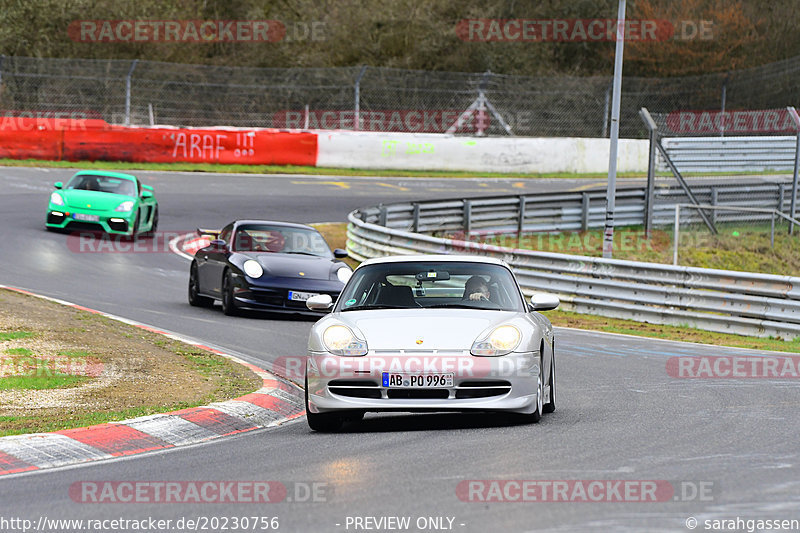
x=320 y=302
x=544 y=301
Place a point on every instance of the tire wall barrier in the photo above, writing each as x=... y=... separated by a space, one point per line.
x=93 y=140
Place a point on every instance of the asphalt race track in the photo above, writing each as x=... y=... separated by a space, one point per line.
x=728 y=447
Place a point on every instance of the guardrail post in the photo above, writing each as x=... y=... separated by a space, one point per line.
x=651 y=170
x=675 y=234
x=521 y=216
x=467 y=217
x=781 y=196
x=796 y=119
x=415 y=221
x=383 y=215
x=585 y=201
x=128 y=93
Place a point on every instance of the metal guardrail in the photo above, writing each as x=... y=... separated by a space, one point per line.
x=715 y=300
x=574 y=210
x=730 y=154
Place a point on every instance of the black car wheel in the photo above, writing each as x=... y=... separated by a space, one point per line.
x=550 y=406
x=228 y=303
x=135 y=234
x=154 y=227
x=195 y=298
x=322 y=422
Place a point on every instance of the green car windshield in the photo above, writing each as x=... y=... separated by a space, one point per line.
x=89 y=182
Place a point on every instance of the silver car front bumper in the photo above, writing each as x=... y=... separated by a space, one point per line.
x=504 y=383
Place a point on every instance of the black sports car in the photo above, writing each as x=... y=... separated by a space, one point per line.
x=265 y=265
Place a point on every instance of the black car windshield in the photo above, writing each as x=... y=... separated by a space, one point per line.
x=429 y=284
x=280 y=239
x=91 y=182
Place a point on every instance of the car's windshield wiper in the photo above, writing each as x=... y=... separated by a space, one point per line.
x=302 y=253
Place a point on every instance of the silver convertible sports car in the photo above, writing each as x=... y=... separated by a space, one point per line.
x=430 y=333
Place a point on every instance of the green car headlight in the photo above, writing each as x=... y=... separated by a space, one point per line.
x=125 y=206
x=56 y=199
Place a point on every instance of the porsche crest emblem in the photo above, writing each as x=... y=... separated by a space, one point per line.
x=419 y=340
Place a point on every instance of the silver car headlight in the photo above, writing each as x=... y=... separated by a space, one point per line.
x=344 y=274
x=501 y=341
x=56 y=199
x=252 y=268
x=340 y=340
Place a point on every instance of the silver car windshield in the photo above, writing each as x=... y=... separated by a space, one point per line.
x=425 y=284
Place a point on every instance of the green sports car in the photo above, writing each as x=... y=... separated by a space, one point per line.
x=99 y=200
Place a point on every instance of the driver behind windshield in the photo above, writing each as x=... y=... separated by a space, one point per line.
x=476 y=288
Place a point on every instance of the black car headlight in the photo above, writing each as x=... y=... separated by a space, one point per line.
x=252 y=268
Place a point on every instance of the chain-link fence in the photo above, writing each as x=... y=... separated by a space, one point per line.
x=384 y=99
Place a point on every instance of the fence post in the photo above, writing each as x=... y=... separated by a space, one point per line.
x=357 y=107
x=772 y=230
x=606 y=109
x=383 y=216
x=796 y=119
x=781 y=196
x=724 y=101
x=2 y=60
x=714 y=199
x=128 y=93
x=675 y=234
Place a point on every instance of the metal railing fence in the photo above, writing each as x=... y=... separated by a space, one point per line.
x=576 y=211
x=715 y=300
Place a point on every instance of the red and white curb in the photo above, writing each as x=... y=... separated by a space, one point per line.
x=276 y=402
x=187 y=245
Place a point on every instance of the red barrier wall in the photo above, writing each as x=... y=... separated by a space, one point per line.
x=93 y=140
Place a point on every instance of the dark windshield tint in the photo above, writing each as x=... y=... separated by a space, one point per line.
x=280 y=239
x=426 y=284
x=88 y=182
